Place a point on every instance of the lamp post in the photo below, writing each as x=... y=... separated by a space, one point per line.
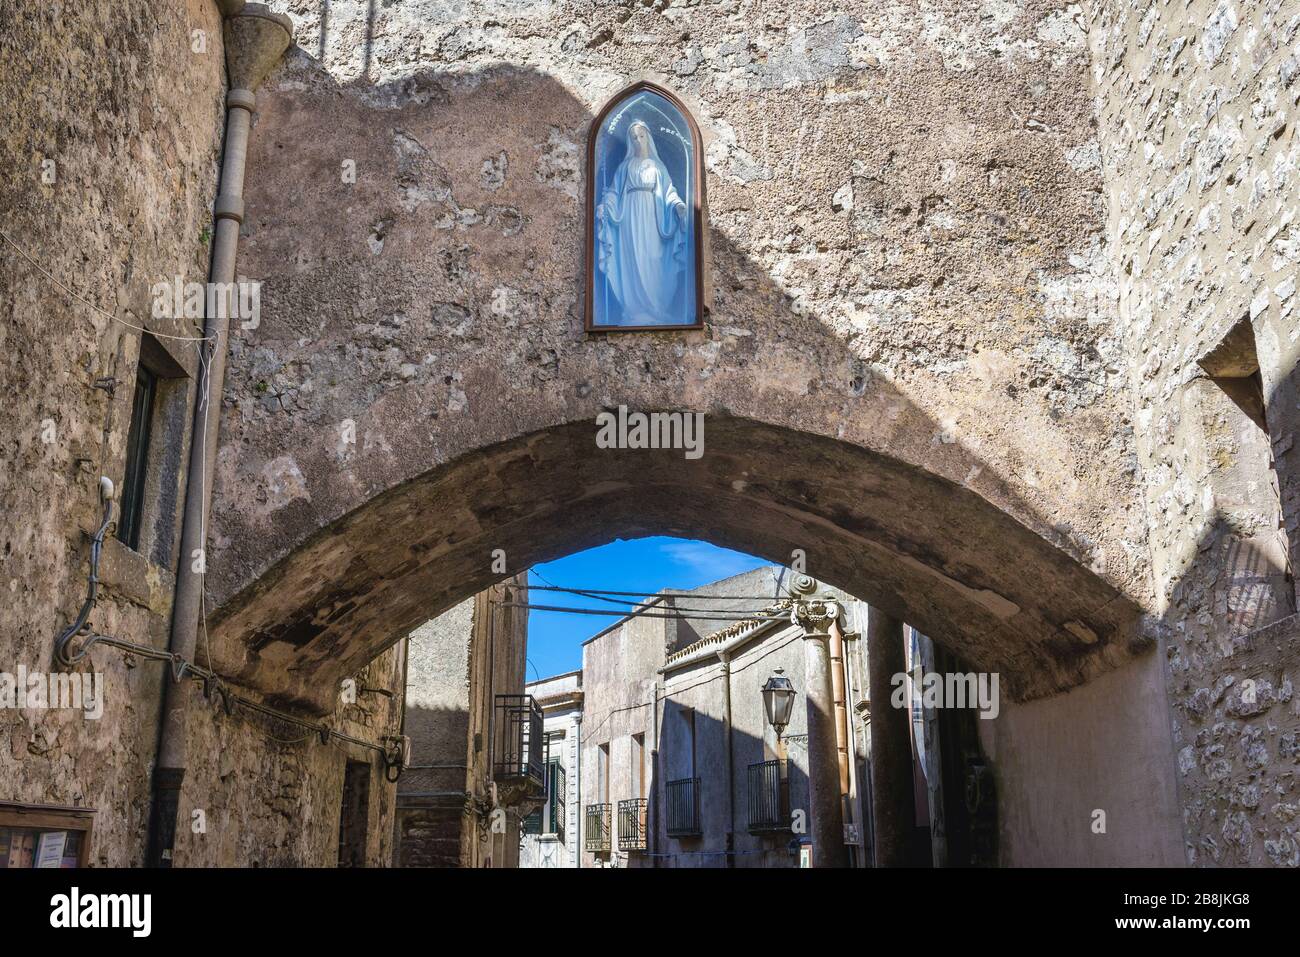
x=778 y=701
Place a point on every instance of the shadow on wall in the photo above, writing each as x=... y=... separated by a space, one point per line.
x=312 y=584
x=1228 y=631
x=509 y=480
x=432 y=826
x=757 y=842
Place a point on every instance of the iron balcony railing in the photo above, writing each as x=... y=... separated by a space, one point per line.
x=682 y=807
x=518 y=758
x=597 y=829
x=765 y=811
x=631 y=824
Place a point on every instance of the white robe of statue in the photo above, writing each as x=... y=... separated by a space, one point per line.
x=641 y=234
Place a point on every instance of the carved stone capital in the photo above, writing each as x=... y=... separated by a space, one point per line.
x=814 y=615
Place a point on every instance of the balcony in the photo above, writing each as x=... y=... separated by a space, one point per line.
x=597 y=828
x=518 y=762
x=766 y=811
x=632 y=824
x=682 y=807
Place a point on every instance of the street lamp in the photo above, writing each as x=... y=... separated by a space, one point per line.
x=778 y=701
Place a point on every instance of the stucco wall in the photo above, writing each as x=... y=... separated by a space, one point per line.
x=618 y=678
x=560 y=699
x=1103 y=747
x=701 y=688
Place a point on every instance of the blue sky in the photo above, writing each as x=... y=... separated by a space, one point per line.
x=643 y=565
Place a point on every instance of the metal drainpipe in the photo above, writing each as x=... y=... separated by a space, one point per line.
x=730 y=845
x=577 y=795
x=851 y=691
x=652 y=791
x=839 y=694
x=254 y=39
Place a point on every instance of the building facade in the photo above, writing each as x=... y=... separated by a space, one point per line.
x=681 y=767
x=551 y=833
x=476 y=767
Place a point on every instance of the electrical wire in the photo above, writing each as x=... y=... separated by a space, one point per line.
x=213 y=683
x=740 y=615
x=657 y=603
x=90 y=305
x=641 y=594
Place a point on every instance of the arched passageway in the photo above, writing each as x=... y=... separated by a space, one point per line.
x=419 y=391
x=918 y=546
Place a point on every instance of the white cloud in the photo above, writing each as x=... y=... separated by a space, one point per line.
x=707 y=561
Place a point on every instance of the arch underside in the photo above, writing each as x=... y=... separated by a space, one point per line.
x=922 y=548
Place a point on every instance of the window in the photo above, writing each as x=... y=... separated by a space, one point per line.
x=678 y=754
x=550 y=817
x=602 y=773
x=148 y=509
x=41 y=836
x=557 y=784
x=638 y=765
x=137 y=457
x=1255 y=580
x=645 y=196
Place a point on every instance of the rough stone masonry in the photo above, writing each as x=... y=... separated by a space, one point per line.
x=973 y=266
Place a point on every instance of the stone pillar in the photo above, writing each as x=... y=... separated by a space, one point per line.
x=892 y=799
x=815 y=616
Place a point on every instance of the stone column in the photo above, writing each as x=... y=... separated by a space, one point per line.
x=815 y=616
x=893 y=803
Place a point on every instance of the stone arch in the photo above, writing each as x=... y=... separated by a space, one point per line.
x=916 y=545
x=420 y=387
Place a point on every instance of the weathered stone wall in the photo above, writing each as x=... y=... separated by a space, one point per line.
x=272 y=793
x=1195 y=109
x=131 y=120
x=458 y=664
x=908 y=260
x=112 y=125
x=967 y=242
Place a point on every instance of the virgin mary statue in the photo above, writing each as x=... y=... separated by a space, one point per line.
x=641 y=226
